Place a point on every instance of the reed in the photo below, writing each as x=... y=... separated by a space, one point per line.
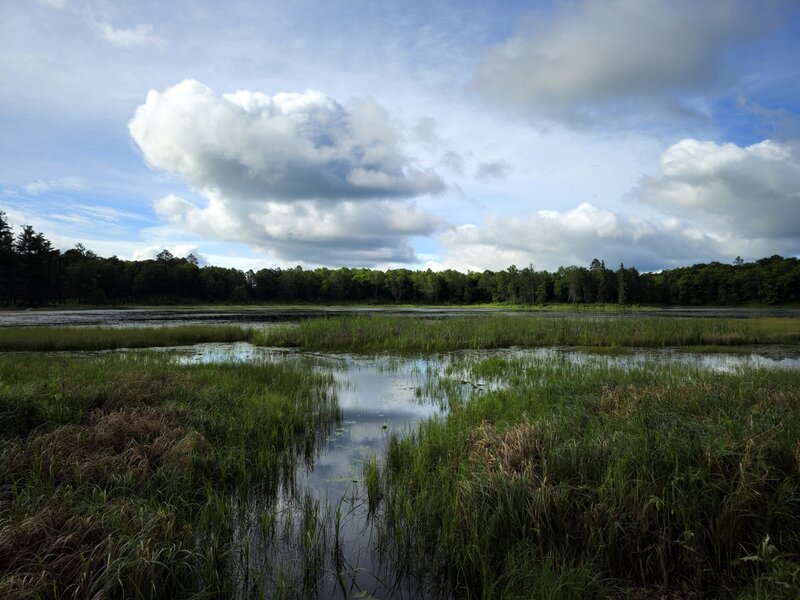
x=37 y=339
x=397 y=333
x=576 y=481
x=124 y=475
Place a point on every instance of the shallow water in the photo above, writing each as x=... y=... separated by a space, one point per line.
x=378 y=397
x=152 y=317
x=385 y=395
x=381 y=396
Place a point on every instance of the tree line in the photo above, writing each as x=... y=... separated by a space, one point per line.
x=33 y=273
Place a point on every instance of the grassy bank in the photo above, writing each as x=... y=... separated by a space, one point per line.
x=588 y=482
x=127 y=476
x=108 y=338
x=379 y=333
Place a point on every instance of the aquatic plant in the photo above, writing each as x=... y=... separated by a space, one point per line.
x=398 y=333
x=109 y=338
x=657 y=480
x=123 y=475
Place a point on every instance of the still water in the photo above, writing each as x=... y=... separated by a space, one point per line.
x=381 y=396
x=322 y=512
x=152 y=317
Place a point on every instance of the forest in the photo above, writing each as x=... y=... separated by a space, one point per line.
x=34 y=274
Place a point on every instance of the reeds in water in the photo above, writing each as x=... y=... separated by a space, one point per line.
x=109 y=338
x=398 y=333
x=120 y=476
x=577 y=481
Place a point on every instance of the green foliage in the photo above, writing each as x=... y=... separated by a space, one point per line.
x=32 y=273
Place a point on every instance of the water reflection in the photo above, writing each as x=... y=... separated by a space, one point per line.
x=317 y=534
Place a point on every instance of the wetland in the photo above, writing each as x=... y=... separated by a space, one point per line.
x=420 y=454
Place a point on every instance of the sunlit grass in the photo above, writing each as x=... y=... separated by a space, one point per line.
x=602 y=482
x=382 y=333
x=121 y=476
x=108 y=338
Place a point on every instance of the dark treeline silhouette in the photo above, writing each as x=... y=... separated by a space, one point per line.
x=33 y=273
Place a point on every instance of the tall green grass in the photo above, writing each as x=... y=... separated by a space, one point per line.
x=380 y=333
x=127 y=476
x=578 y=481
x=109 y=338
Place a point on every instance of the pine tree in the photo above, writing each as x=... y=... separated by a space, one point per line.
x=622 y=292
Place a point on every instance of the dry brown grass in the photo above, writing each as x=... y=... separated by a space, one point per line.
x=624 y=401
x=133 y=443
x=63 y=548
x=58 y=553
x=510 y=452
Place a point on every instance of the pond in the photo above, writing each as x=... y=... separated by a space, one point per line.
x=383 y=396
x=319 y=532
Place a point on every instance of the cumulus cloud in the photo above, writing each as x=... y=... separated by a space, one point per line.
x=296 y=174
x=289 y=146
x=718 y=201
x=347 y=233
x=751 y=192
x=552 y=239
x=597 y=53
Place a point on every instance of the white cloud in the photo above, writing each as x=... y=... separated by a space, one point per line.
x=751 y=192
x=286 y=147
x=718 y=201
x=592 y=54
x=64 y=183
x=345 y=233
x=551 y=239
x=138 y=35
x=179 y=251
x=298 y=175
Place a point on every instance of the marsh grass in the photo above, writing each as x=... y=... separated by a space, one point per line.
x=108 y=338
x=397 y=333
x=120 y=476
x=579 y=481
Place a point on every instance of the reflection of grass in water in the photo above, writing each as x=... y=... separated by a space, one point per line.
x=379 y=333
x=588 y=481
x=103 y=338
x=125 y=474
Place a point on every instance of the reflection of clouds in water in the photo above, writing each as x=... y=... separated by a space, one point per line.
x=398 y=392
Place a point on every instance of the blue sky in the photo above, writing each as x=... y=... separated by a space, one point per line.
x=418 y=134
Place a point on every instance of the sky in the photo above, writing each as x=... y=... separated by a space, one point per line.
x=465 y=135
